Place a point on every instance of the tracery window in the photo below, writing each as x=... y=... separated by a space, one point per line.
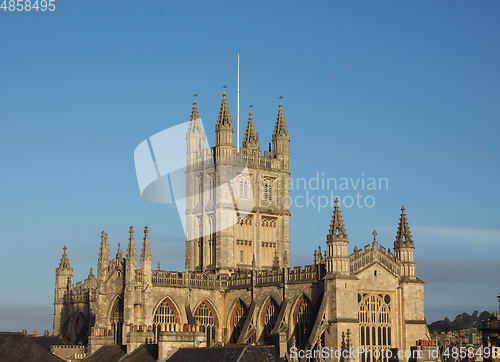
x=244 y=187
x=269 y=316
x=302 y=321
x=204 y=316
x=268 y=191
x=165 y=317
x=375 y=322
x=237 y=320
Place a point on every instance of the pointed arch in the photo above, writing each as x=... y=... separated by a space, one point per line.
x=116 y=318
x=375 y=322
x=206 y=315
x=301 y=320
x=165 y=316
x=236 y=318
x=268 y=315
x=79 y=328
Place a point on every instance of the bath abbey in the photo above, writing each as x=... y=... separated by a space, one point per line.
x=238 y=288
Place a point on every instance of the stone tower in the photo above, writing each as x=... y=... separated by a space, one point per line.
x=237 y=209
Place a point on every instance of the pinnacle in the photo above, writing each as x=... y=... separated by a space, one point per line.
x=194 y=113
x=224 y=119
x=251 y=139
x=280 y=128
x=104 y=249
x=119 y=255
x=131 y=254
x=337 y=228
x=64 y=264
x=146 y=250
x=403 y=235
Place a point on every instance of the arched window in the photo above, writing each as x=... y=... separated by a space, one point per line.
x=165 y=317
x=374 y=316
x=269 y=316
x=302 y=321
x=244 y=187
x=238 y=318
x=116 y=319
x=205 y=316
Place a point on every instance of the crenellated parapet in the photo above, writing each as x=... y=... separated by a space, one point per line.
x=371 y=253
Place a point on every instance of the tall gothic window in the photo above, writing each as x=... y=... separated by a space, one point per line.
x=268 y=191
x=199 y=181
x=269 y=315
x=211 y=240
x=165 y=317
x=205 y=316
x=302 y=319
x=117 y=320
x=244 y=187
x=375 y=322
x=237 y=320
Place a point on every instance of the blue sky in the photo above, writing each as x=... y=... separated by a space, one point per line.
x=407 y=91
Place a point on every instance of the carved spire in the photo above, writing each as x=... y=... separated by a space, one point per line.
x=337 y=228
x=104 y=256
x=131 y=253
x=224 y=120
x=251 y=139
x=146 y=249
x=64 y=264
x=403 y=235
x=280 y=129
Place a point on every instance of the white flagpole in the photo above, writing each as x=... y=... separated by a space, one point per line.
x=238 y=109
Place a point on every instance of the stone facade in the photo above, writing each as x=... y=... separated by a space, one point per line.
x=238 y=286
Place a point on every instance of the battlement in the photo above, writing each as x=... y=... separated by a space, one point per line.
x=298 y=274
x=363 y=257
x=207 y=157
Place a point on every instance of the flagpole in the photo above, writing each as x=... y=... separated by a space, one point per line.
x=238 y=109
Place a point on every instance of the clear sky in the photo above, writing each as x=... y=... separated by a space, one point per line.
x=403 y=90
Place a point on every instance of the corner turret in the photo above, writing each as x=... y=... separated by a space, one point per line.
x=404 y=248
x=224 y=131
x=337 y=255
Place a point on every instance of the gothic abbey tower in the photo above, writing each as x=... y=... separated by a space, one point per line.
x=238 y=287
x=219 y=236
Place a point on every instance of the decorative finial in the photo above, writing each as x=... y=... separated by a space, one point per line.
x=131 y=231
x=146 y=230
x=374 y=233
x=403 y=208
x=65 y=248
x=336 y=202
x=158 y=265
